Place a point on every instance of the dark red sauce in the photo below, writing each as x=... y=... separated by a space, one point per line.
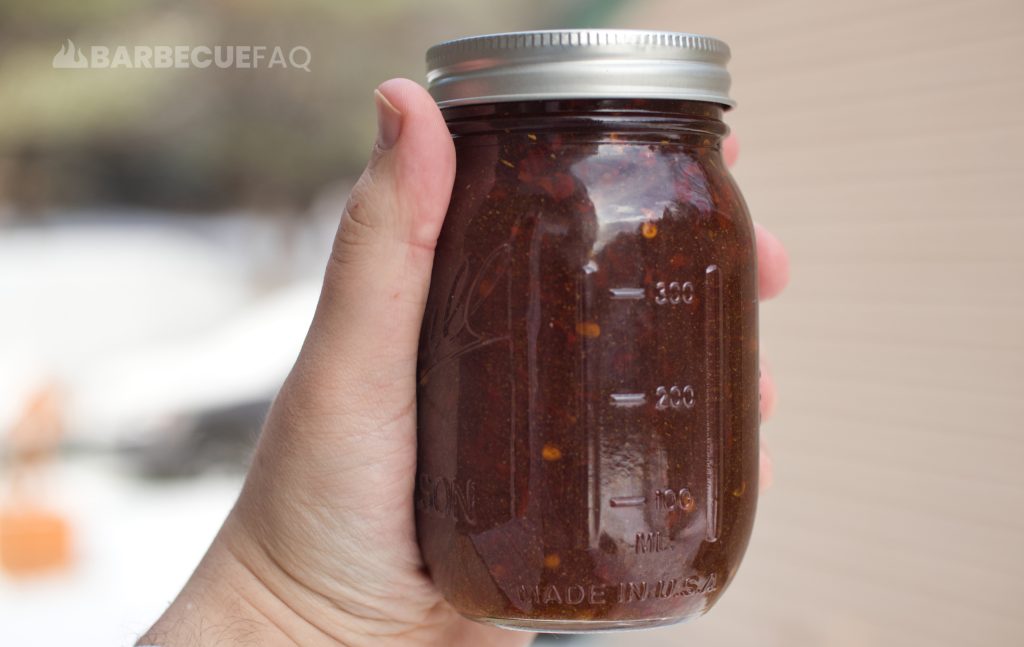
x=588 y=403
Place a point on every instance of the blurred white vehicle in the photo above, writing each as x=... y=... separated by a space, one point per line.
x=145 y=319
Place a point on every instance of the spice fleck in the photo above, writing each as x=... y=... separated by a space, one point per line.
x=551 y=452
x=588 y=329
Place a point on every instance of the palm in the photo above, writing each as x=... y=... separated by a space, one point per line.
x=341 y=497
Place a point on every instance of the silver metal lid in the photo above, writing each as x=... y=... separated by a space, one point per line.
x=579 y=64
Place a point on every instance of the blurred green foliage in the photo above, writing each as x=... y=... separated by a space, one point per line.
x=201 y=139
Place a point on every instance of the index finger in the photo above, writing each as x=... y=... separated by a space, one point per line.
x=772 y=264
x=772 y=259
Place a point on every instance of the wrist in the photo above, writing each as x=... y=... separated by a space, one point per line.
x=228 y=601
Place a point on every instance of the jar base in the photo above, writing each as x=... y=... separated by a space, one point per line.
x=569 y=626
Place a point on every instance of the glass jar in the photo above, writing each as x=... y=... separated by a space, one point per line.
x=588 y=373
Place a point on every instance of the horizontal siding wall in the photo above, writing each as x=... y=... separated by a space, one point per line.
x=884 y=142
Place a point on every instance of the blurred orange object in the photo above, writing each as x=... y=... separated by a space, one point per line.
x=32 y=540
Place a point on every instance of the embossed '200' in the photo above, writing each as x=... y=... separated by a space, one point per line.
x=675 y=397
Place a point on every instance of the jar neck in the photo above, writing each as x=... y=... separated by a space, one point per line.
x=695 y=122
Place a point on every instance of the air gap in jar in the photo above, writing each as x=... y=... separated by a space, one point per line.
x=588 y=373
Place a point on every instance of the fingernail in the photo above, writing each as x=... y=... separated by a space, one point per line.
x=389 y=121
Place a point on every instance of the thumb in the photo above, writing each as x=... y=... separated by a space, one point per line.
x=366 y=326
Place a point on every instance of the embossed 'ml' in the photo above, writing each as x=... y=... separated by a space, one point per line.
x=450 y=333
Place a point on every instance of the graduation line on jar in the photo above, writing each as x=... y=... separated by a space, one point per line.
x=627 y=501
x=627 y=294
x=628 y=399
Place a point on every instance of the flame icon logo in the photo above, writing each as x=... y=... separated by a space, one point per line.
x=69 y=57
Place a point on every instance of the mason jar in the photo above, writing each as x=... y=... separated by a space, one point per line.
x=588 y=366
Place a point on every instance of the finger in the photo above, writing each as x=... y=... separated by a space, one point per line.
x=772 y=264
x=731 y=150
x=766 y=474
x=767 y=392
x=368 y=319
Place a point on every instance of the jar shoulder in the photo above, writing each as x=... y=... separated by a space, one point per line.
x=594 y=190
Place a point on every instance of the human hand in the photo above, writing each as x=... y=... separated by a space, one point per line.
x=321 y=545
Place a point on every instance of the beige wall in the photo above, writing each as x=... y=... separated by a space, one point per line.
x=884 y=142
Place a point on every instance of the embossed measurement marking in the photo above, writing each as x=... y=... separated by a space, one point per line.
x=627 y=501
x=627 y=294
x=673 y=293
x=652 y=542
x=628 y=399
x=715 y=423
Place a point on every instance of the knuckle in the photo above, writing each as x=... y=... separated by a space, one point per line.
x=358 y=227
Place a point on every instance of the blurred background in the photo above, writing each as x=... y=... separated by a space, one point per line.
x=163 y=232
